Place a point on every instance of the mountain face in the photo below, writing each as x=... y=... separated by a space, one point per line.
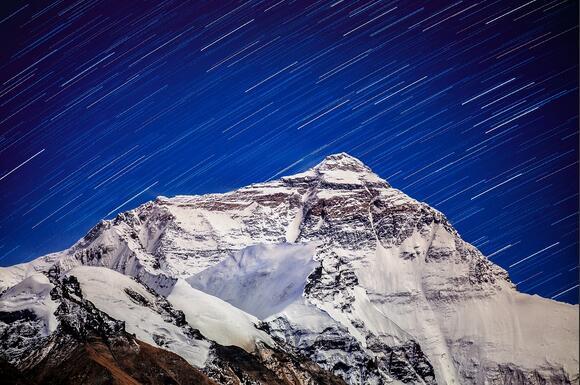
x=330 y=276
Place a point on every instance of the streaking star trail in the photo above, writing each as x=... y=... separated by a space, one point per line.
x=469 y=106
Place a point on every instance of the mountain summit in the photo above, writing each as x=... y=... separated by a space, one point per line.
x=330 y=276
x=342 y=169
x=342 y=162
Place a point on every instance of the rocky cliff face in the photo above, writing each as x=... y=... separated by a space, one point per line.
x=327 y=271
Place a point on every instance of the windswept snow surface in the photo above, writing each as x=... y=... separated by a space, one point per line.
x=262 y=279
x=217 y=319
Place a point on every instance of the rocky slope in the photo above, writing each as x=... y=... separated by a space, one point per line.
x=327 y=271
x=78 y=343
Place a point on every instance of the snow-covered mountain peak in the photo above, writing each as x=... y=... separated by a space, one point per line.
x=339 y=170
x=333 y=264
x=345 y=169
x=342 y=161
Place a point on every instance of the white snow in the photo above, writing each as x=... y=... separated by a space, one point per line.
x=11 y=275
x=516 y=328
x=293 y=230
x=399 y=295
x=262 y=279
x=306 y=316
x=217 y=319
x=105 y=288
x=388 y=274
x=32 y=293
x=503 y=328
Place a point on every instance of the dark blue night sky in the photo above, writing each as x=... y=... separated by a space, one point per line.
x=469 y=106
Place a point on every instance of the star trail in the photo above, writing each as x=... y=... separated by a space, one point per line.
x=471 y=107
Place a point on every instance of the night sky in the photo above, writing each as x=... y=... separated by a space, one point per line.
x=471 y=107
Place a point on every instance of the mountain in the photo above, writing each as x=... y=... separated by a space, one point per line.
x=324 y=277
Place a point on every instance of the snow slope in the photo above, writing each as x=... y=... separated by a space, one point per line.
x=10 y=276
x=466 y=331
x=268 y=281
x=33 y=294
x=217 y=319
x=341 y=268
x=261 y=280
x=126 y=300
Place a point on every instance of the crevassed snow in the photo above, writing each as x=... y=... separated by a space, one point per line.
x=105 y=288
x=261 y=279
x=32 y=293
x=217 y=319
